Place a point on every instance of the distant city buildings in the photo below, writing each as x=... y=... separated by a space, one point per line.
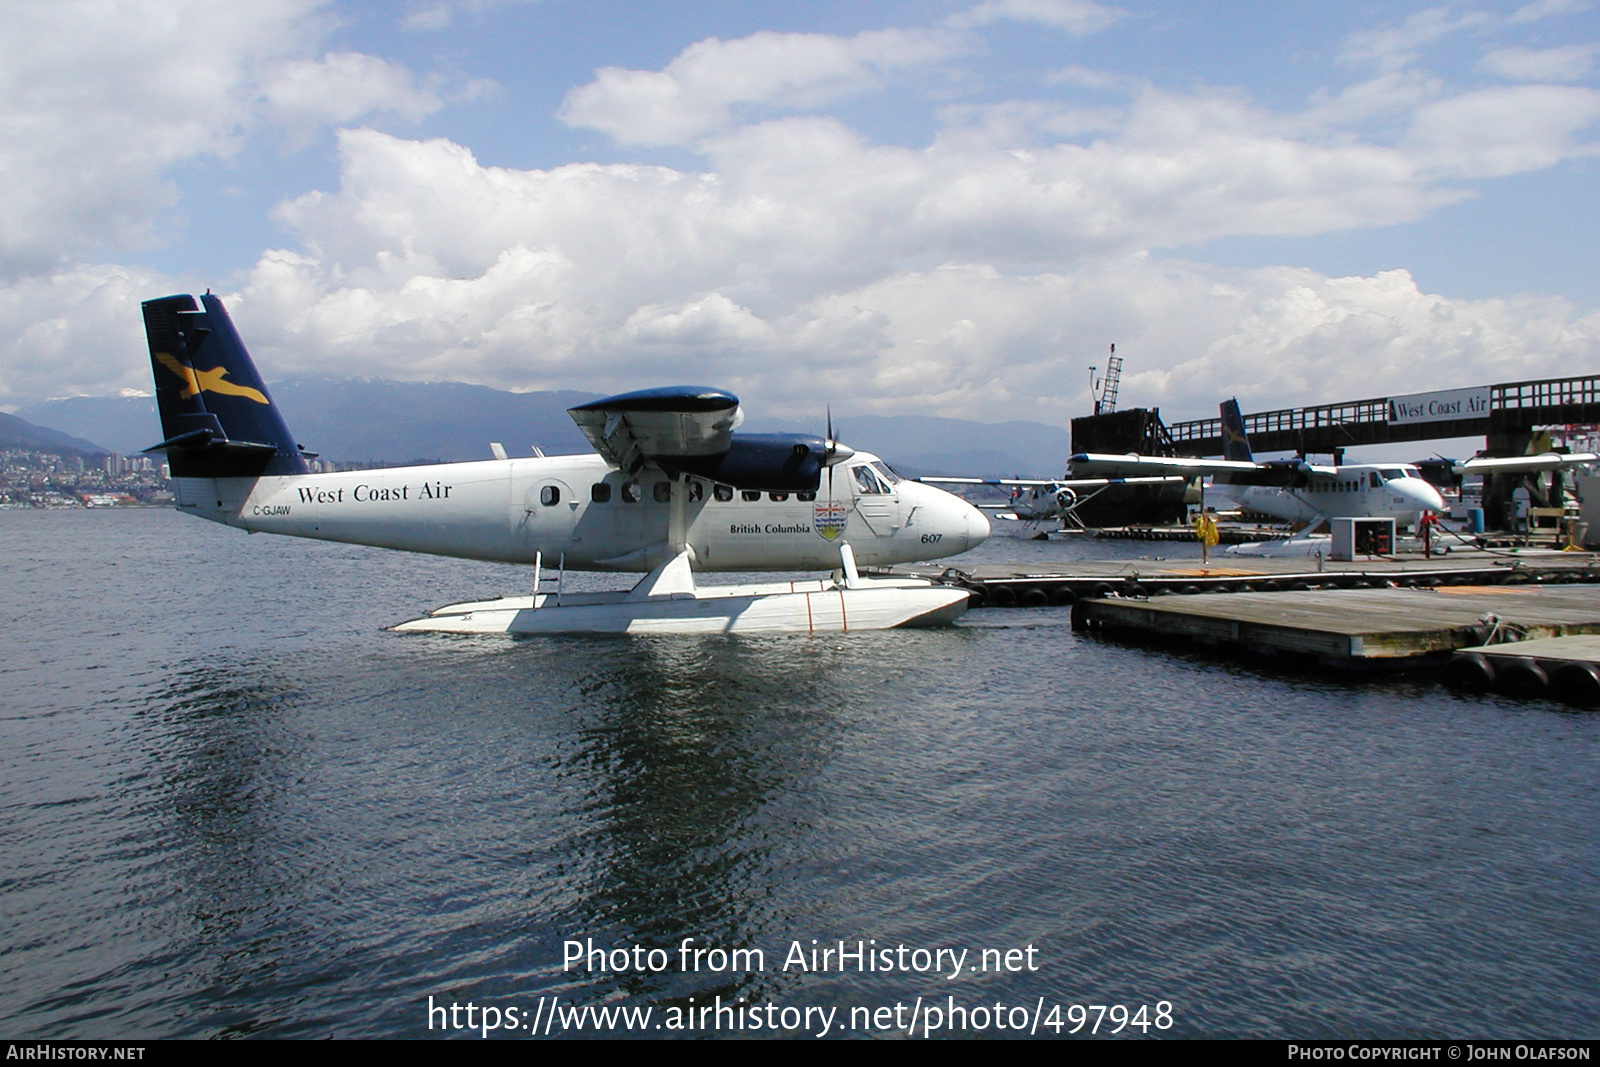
x=30 y=479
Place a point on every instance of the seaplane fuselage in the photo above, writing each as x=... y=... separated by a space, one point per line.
x=588 y=515
x=1378 y=490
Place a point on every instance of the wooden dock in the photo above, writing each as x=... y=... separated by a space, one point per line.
x=1355 y=627
x=1001 y=585
x=1525 y=622
x=1566 y=668
x=1227 y=534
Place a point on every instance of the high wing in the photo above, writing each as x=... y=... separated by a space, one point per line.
x=1033 y=499
x=1100 y=463
x=679 y=420
x=1545 y=461
x=1056 y=483
x=1230 y=471
x=688 y=429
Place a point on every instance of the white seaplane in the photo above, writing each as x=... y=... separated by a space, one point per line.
x=1035 y=500
x=1299 y=492
x=671 y=490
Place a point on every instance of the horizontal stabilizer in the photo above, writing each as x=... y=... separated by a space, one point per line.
x=210 y=439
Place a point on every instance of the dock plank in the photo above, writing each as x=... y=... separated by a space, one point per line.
x=1355 y=624
x=1577 y=648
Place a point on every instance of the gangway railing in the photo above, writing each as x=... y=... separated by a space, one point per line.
x=1513 y=406
x=1288 y=420
x=1553 y=393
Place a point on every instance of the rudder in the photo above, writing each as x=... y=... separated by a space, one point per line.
x=1235 y=443
x=217 y=419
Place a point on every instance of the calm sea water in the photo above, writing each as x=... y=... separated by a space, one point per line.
x=233 y=805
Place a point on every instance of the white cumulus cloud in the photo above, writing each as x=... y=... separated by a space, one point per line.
x=1512 y=130
x=963 y=282
x=1565 y=64
x=343 y=87
x=704 y=87
x=1073 y=16
x=103 y=100
x=800 y=261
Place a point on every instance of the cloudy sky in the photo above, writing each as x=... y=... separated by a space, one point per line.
x=905 y=206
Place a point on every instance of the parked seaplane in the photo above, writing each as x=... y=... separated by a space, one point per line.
x=1034 y=500
x=671 y=490
x=1300 y=492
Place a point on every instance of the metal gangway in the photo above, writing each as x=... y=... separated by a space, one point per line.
x=1514 y=408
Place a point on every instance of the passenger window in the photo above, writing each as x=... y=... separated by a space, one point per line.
x=632 y=493
x=697 y=490
x=600 y=492
x=751 y=494
x=807 y=495
x=662 y=492
x=723 y=493
x=778 y=496
x=550 y=495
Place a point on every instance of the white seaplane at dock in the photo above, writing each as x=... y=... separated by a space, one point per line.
x=1310 y=495
x=671 y=490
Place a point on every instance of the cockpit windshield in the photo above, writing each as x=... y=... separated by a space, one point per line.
x=884 y=472
x=866 y=481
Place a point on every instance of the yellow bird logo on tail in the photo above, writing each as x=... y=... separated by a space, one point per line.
x=208 y=381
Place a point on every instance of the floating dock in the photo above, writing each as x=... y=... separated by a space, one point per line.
x=1061 y=584
x=1527 y=624
x=1566 y=668
x=1356 y=627
x=1527 y=641
x=1227 y=534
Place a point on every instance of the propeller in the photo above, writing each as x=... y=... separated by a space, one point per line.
x=828 y=446
x=833 y=452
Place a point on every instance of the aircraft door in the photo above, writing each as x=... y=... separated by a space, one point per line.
x=876 y=499
x=548 y=508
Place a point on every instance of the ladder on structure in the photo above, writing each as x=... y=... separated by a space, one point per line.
x=1106 y=402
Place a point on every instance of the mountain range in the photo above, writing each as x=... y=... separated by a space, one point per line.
x=21 y=434
x=385 y=422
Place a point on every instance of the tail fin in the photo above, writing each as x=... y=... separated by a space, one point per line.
x=216 y=416
x=1235 y=444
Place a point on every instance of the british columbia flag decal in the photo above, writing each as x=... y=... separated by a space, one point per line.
x=828 y=519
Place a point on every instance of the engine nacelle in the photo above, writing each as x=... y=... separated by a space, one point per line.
x=771 y=462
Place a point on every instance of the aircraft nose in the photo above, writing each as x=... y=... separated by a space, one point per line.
x=1425 y=495
x=963 y=525
x=946 y=520
x=977 y=524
